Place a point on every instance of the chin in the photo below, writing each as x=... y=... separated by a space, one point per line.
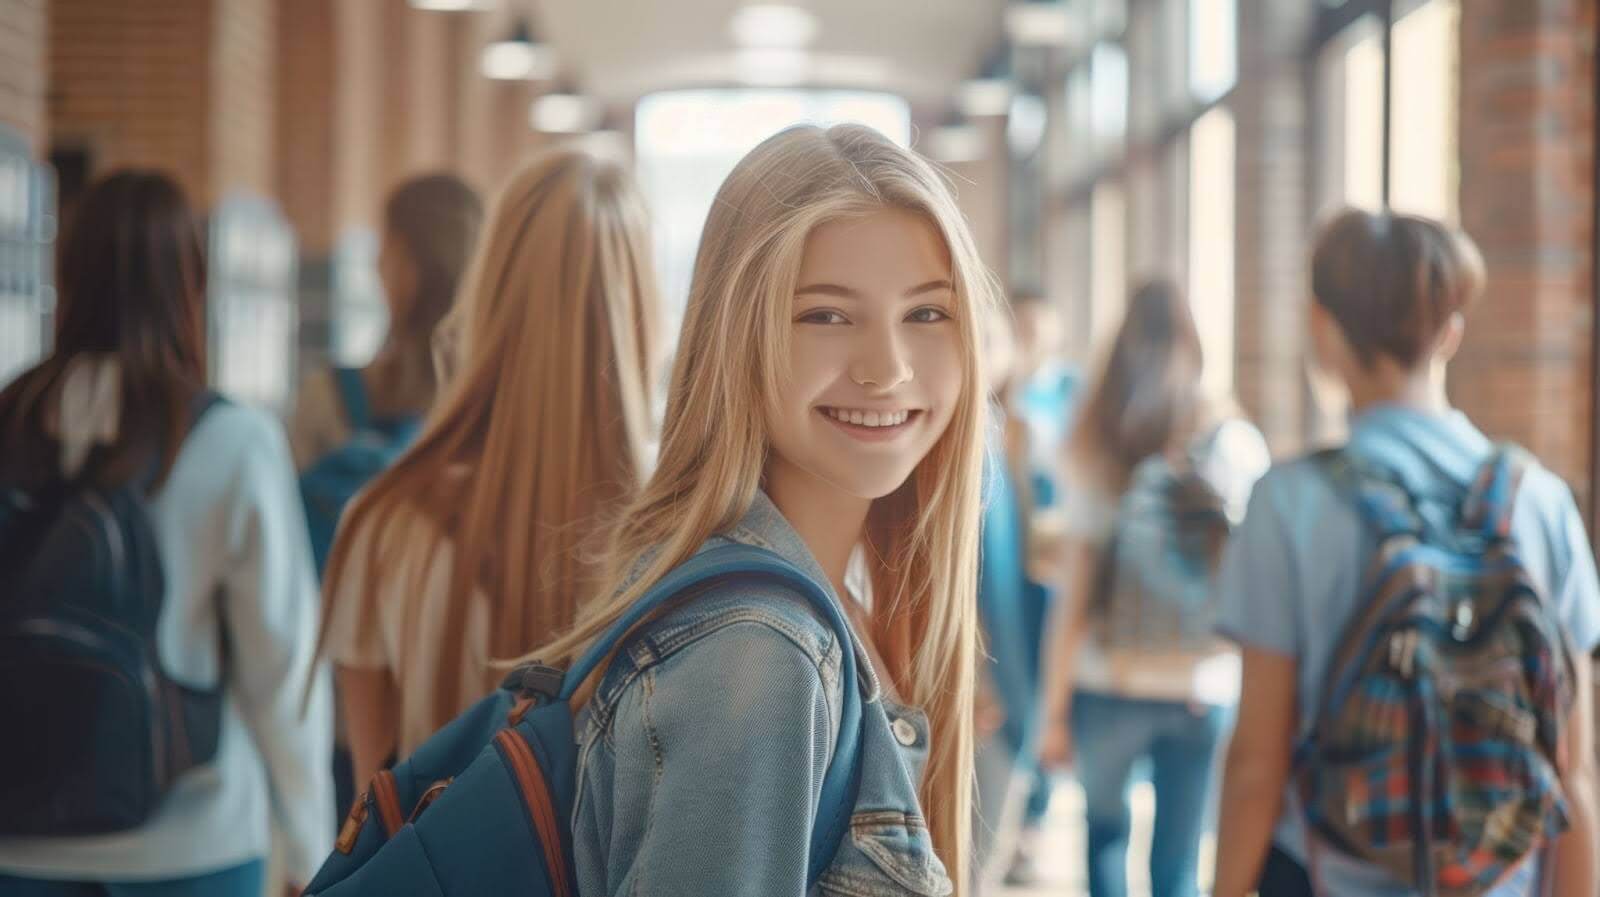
x=872 y=488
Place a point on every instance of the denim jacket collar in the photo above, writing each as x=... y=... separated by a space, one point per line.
x=764 y=526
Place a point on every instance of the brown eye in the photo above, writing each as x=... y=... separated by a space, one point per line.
x=928 y=314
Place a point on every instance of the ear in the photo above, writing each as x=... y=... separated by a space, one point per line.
x=1448 y=343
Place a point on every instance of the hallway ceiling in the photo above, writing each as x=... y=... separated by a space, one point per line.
x=620 y=49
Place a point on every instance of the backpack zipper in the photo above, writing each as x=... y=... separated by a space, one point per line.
x=535 y=793
x=353 y=823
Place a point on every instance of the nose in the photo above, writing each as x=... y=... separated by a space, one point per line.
x=881 y=361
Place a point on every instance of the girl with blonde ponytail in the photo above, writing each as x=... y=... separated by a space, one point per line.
x=480 y=540
x=826 y=404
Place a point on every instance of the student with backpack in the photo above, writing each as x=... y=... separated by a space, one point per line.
x=479 y=542
x=164 y=710
x=1156 y=474
x=746 y=722
x=1008 y=681
x=1415 y=611
x=352 y=423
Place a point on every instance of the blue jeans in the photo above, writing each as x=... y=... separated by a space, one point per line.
x=240 y=881
x=1111 y=735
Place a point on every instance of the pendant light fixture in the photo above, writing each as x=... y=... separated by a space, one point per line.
x=520 y=56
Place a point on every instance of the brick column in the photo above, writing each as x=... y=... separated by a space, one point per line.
x=23 y=69
x=1272 y=217
x=182 y=85
x=1527 y=197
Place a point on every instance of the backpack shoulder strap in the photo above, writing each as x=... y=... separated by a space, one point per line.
x=201 y=404
x=1491 y=503
x=840 y=782
x=1382 y=500
x=353 y=395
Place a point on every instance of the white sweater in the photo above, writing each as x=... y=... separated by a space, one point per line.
x=236 y=557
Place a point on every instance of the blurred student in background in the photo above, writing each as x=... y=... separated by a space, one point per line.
x=1043 y=399
x=195 y=498
x=1008 y=681
x=477 y=543
x=1156 y=473
x=351 y=423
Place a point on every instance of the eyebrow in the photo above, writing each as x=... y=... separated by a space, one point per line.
x=843 y=292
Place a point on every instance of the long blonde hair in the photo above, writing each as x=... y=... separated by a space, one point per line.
x=731 y=361
x=541 y=431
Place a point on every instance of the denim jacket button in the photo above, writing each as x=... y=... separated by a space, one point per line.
x=904 y=732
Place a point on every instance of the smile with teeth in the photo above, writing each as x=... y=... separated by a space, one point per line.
x=868 y=418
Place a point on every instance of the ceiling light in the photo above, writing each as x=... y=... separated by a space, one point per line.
x=562 y=113
x=453 y=5
x=1041 y=24
x=519 y=57
x=956 y=143
x=979 y=97
x=772 y=67
x=772 y=25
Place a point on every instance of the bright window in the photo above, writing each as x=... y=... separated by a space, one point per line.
x=1424 y=159
x=252 y=302
x=1350 y=80
x=1211 y=223
x=687 y=141
x=361 y=314
x=1213 y=48
x=1108 y=116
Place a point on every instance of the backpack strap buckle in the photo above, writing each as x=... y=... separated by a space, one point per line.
x=534 y=684
x=535 y=680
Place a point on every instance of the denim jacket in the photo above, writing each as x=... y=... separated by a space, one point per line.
x=702 y=753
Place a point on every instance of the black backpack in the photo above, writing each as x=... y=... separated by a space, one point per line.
x=98 y=731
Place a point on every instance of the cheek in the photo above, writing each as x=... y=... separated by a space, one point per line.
x=937 y=361
x=815 y=362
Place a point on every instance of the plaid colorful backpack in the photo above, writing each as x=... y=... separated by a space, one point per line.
x=1434 y=751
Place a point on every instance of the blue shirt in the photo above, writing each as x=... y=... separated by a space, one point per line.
x=1292 y=576
x=1003 y=602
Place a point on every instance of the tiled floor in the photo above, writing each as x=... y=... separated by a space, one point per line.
x=1060 y=853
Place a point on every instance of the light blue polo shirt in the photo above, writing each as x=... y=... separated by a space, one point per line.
x=1292 y=575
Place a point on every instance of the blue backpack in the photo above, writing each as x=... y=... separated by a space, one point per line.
x=485 y=805
x=99 y=731
x=329 y=484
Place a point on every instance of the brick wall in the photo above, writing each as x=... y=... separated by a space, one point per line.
x=1271 y=217
x=417 y=97
x=182 y=85
x=23 y=30
x=126 y=81
x=358 y=111
x=1527 y=196
x=244 y=49
x=305 y=120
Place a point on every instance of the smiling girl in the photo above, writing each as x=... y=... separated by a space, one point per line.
x=826 y=405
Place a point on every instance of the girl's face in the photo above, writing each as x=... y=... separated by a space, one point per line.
x=875 y=363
